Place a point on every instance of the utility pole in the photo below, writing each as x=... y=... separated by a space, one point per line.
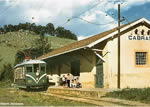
x=118 y=82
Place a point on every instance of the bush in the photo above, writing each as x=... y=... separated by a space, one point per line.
x=141 y=94
x=6 y=72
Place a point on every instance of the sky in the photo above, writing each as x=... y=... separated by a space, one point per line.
x=83 y=17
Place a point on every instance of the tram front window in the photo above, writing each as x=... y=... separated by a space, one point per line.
x=29 y=69
x=42 y=69
x=36 y=67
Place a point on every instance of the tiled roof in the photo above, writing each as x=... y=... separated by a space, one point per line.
x=80 y=44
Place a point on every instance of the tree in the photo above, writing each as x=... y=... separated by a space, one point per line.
x=50 y=29
x=19 y=57
x=1 y=30
x=16 y=27
x=10 y=28
x=40 y=30
x=41 y=45
x=63 y=33
x=21 y=26
x=33 y=27
x=1 y=58
x=6 y=72
x=6 y=29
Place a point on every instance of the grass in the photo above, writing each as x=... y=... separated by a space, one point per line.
x=34 y=98
x=142 y=95
x=9 y=95
x=11 y=42
x=5 y=84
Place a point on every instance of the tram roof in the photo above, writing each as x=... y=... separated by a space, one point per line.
x=31 y=62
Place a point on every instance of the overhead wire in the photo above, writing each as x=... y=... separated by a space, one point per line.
x=88 y=9
x=82 y=12
x=93 y=22
x=125 y=19
x=77 y=16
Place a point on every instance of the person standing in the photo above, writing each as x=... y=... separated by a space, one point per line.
x=68 y=80
x=64 y=80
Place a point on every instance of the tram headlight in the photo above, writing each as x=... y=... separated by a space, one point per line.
x=37 y=73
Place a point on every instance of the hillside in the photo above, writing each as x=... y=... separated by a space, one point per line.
x=11 y=42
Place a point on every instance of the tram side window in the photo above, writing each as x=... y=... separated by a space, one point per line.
x=43 y=69
x=23 y=76
x=20 y=73
x=29 y=69
x=16 y=75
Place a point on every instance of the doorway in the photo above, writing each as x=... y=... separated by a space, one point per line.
x=99 y=77
x=75 y=68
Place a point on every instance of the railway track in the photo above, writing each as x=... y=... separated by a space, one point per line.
x=98 y=101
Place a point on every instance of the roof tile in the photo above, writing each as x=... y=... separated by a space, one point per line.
x=81 y=43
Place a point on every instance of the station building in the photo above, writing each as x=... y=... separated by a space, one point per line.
x=95 y=59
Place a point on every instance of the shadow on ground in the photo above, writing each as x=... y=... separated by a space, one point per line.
x=34 y=89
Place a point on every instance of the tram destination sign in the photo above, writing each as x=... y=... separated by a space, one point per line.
x=136 y=37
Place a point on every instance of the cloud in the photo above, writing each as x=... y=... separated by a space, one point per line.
x=48 y=9
x=91 y=17
x=129 y=3
x=81 y=37
x=58 y=11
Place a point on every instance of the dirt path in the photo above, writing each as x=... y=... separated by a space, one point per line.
x=100 y=101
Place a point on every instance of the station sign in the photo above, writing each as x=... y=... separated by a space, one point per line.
x=138 y=37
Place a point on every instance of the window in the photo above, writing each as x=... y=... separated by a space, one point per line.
x=29 y=69
x=36 y=67
x=141 y=58
x=136 y=31
x=19 y=73
x=42 y=69
x=142 y=32
x=16 y=76
x=148 y=32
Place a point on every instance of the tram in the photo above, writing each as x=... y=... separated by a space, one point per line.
x=30 y=74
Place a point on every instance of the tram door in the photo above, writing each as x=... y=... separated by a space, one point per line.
x=99 y=77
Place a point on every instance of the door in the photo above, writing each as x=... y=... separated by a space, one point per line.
x=99 y=77
x=75 y=68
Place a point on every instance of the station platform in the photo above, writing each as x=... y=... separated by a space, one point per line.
x=79 y=92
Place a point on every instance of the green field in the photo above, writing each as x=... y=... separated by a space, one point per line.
x=32 y=97
x=142 y=95
x=26 y=98
x=11 y=42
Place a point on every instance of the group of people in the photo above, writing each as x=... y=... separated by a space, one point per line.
x=71 y=82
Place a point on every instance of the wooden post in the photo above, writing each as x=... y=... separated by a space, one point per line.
x=118 y=83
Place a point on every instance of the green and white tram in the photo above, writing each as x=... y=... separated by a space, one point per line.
x=31 y=74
